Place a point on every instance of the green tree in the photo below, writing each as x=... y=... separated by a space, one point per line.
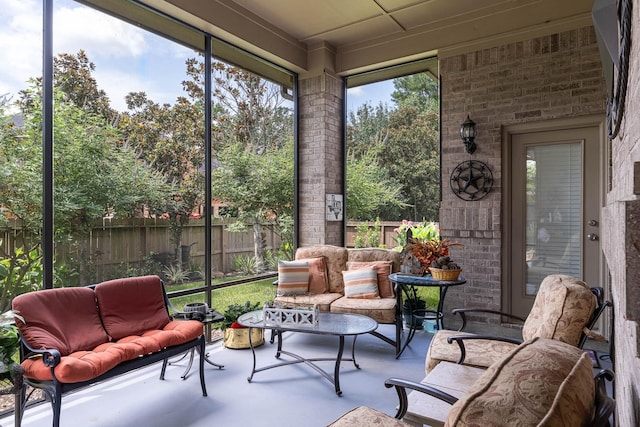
x=170 y=139
x=261 y=187
x=417 y=90
x=369 y=189
x=73 y=77
x=412 y=159
x=253 y=142
x=94 y=177
x=404 y=143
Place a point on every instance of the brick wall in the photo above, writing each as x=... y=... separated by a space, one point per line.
x=320 y=157
x=621 y=226
x=551 y=77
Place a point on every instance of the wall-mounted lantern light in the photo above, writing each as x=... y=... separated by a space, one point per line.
x=468 y=134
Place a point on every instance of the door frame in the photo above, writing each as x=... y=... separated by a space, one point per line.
x=508 y=131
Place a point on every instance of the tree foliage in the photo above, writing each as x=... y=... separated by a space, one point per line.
x=170 y=139
x=403 y=143
x=73 y=76
x=254 y=139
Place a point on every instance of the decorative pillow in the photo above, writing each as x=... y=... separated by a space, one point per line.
x=362 y=283
x=383 y=270
x=293 y=278
x=318 y=279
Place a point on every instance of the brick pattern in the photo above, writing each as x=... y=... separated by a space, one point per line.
x=551 y=77
x=320 y=157
x=621 y=225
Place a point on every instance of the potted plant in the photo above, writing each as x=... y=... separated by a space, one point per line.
x=422 y=248
x=408 y=309
x=9 y=341
x=235 y=335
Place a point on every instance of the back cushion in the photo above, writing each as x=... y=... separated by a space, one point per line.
x=562 y=308
x=376 y=254
x=336 y=261
x=65 y=319
x=542 y=382
x=132 y=305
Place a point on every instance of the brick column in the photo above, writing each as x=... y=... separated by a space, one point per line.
x=320 y=157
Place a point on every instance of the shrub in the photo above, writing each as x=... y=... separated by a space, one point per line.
x=174 y=274
x=245 y=264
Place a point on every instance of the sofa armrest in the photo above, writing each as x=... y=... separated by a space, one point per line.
x=50 y=356
x=401 y=387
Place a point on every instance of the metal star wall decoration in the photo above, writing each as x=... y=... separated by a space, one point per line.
x=471 y=180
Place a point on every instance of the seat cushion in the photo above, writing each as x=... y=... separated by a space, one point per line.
x=382 y=310
x=542 y=382
x=363 y=416
x=323 y=301
x=65 y=319
x=88 y=364
x=132 y=305
x=480 y=353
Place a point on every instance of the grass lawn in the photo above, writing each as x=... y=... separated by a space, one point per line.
x=259 y=291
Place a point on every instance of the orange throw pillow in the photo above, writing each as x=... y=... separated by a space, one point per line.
x=318 y=278
x=383 y=269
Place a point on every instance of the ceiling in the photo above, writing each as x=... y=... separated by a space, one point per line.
x=351 y=36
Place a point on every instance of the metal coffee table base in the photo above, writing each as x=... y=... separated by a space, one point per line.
x=338 y=325
x=311 y=362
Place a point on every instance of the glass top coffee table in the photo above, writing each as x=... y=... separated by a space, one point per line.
x=337 y=324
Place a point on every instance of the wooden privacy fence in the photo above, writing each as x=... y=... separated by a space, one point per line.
x=114 y=245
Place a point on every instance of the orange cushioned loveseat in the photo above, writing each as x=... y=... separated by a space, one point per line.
x=73 y=337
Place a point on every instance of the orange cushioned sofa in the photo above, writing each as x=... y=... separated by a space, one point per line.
x=73 y=337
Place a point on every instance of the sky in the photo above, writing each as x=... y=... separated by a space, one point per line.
x=126 y=58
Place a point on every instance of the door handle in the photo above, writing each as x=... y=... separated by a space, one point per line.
x=593 y=237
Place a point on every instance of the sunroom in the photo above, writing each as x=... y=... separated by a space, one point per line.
x=528 y=73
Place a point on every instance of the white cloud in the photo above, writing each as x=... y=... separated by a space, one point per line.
x=20 y=43
x=126 y=58
x=100 y=34
x=356 y=91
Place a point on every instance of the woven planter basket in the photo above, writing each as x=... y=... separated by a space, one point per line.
x=440 y=274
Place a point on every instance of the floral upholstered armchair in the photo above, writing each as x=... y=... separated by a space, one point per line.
x=542 y=382
x=565 y=309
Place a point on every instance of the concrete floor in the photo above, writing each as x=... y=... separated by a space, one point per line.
x=293 y=395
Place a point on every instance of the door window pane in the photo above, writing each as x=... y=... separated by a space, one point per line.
x=554 y=212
